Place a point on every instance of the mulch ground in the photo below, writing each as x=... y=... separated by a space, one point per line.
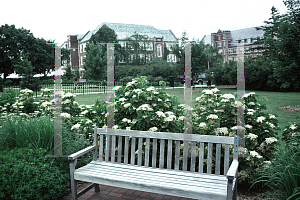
x=293 y=108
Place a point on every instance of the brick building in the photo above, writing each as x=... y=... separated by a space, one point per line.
x=159 y=39
x=226 y=41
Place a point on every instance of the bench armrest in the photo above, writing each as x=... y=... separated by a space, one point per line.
x=232 y=169
x=81 y=152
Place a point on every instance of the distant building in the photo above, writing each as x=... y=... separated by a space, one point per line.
x=226 y=41
x=159 y=40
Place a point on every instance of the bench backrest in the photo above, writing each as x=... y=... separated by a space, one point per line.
x=176 y=151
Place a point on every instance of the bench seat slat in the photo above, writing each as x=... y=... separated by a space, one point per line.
x=102 y=172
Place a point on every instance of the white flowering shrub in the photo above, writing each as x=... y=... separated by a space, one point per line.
x=26 y=102
x=215 y=114
x=291 y=133
x=139 y=106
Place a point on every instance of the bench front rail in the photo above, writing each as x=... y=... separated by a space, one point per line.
x=185 y=165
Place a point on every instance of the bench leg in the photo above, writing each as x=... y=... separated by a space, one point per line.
x=97 y=189
x=235 y=191
x=73 y=182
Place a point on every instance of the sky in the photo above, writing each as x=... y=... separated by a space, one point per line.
x=57 y=19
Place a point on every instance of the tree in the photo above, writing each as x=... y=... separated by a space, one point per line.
x=166 y=53
x=96 y=54
x=68 y=74
x=95 y=62
x=282 y=45
x=13 y=43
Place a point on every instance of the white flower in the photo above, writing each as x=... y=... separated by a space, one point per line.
x=223 y=130
x=212 y=116
x=128 y=128
x=68 y=95
x=182 y=105
x=267 y=162
x=252 y=136
x=66 y=101
x=293 y=127
x=252 y=104
x=144 y=107
x=134 y=121
x=155 y=92
x=271 y=125
x=253 y=153
x=84 y=112
x=127 y=93
x=250 y=113
x=153 y=129
x=207 y=91
x=124 y=120
x=88 y=122
x=202 y=125
x=133 y=96
x=169 y=113
x=130 y=83
x=45 y=104
x=228 y=96
x=65 y=115
x=225 y=100
x=197 y=99
x=170 y=118
x=215 y=90
x=251 y=110
x=181 y=118
x=127 y=105
x=115 y=127
x=237 y=127
x=117 y=87
x=137 y=91
x=160 y=114
x=122 y=99
x=248 y=126
x=159 y=99
x=272 y=116
x=149 y=98
x=150 y=89
x=76 y=126
x=246 y=95
x=260 y=119
x=271 y=140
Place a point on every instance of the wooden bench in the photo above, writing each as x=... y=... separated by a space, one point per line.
x=130 y=169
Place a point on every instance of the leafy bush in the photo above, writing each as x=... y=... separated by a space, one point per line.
x=291 y=132
x=27 y=174
x=7 y=99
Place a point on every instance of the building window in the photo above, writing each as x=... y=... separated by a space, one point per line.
x=171 y=58
x=159 y=54
x=81 y=60
x=224 y=43
x=149 y=57
x=141 y=45
x=149 y=46
x=81 y=48
x=219 y=44
x=84 y=45
x=230 y=51
x=123 y=44
x=249 y=40
x=168 y=45
x=73 y=49
x=219 y=37
x=220 y=51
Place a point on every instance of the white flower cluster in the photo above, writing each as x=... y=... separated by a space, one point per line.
x=223 y=130
x=202 y=125
x=127 y=105
x=76 y=126
x=246 y=95
x=117 y=87
x=251 y=103
x=207 y=91
x=65 y=115
x=150 y=89
x=260 y=119
x=137 y=91
x=248 y=126
x=271 y=140
x=160 y=114
x=228 y=96
x=293 y=127
x=212 y=116
x=153 y=129
x=130 y=83
x=145 y=107
x=255 y=154
x=170 y=118
x=68 y=95
x=126 y=120
x=252 y=136
x=271 y=125
x=272 y=116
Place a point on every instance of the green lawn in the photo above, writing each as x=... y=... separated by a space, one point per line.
x=275 y=101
